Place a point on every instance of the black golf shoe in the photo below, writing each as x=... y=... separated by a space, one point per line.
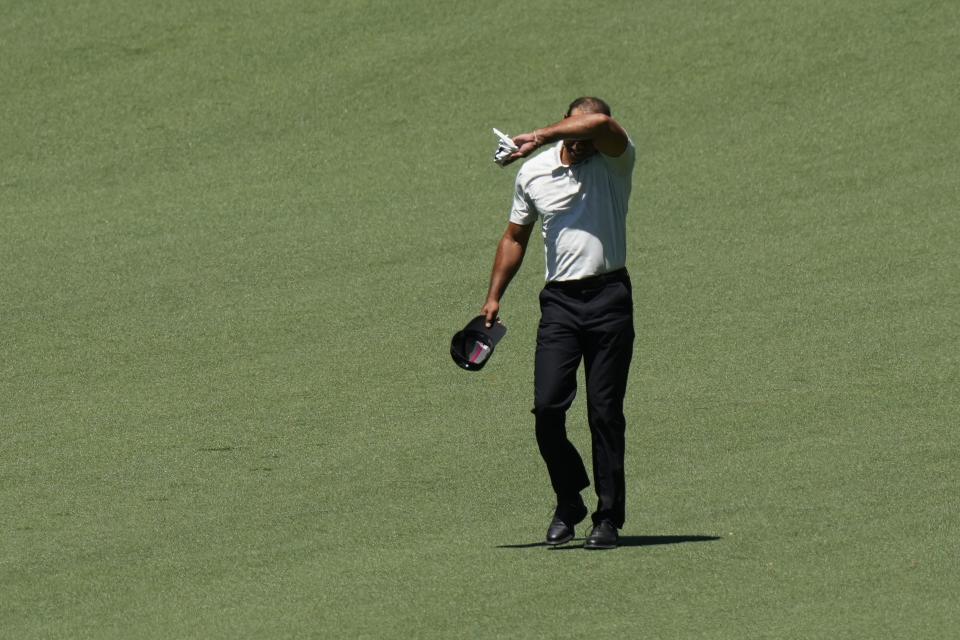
x=565 y=517
x=603 y=536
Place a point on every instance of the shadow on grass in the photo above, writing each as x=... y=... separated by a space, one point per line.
x=625 y=541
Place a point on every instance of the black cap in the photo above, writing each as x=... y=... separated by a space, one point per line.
x=472 y=347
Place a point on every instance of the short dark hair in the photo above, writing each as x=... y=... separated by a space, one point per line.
x=590 y=105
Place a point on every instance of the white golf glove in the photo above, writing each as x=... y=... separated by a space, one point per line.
x=505 y=149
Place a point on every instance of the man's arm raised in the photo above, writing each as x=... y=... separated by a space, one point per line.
x=607 y=135
x=507 y=262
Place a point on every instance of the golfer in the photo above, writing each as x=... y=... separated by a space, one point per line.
x=579 y=188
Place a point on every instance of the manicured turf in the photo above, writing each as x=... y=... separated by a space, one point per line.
x=237 y=236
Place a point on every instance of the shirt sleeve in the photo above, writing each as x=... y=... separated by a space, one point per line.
x=523 y=211
x=623 y=163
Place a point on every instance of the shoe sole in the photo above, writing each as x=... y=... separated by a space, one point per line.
x=599 y=547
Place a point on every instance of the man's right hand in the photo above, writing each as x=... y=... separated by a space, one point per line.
x=510 y=252
x=492 y=311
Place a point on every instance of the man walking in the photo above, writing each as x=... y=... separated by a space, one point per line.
x=579 y=188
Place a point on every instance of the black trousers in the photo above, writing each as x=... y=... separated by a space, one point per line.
x=592 y=320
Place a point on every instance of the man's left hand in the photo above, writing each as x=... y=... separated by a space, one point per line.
x=528 y=143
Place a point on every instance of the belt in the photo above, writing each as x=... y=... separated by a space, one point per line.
x=591 y=282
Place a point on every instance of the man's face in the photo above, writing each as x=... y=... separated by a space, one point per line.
x=579 y=150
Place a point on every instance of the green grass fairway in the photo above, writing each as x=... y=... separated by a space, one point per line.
x=236 y=238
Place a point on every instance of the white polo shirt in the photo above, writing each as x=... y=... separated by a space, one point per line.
x=583 y=210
